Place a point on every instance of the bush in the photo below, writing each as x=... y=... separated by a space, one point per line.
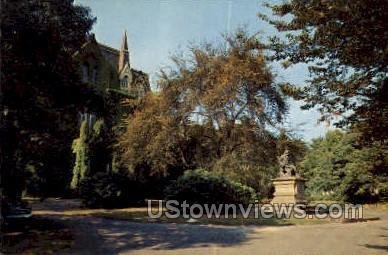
x=110 y=190
x=239 y=169
x=383 y=191
x=358 y=187
x=203 y=187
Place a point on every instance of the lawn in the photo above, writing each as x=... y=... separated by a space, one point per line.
x=72 y=207
x=139 y=214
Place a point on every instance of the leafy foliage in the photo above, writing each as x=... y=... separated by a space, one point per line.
x=337 y=165
x=203 y=187
x=324 y=163
x=110 y=190
x=358 y=187
x=212 y=112
x=92 y=150
x=345 y=45
x=383 y=191
x=366 y=173
x=40 y=87
x=81 y=150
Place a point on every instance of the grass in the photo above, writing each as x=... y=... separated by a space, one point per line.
x=239 y=220
x=42 y=235
x=140 y=214
x=383 y=206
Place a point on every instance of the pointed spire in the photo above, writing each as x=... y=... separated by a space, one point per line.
x=124 y=44
x=124 y=53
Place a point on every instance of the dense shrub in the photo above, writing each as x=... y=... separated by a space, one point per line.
x=383 y=191
x=203 y=187
x=110 y=190
x=238 y=168
x=358 y=187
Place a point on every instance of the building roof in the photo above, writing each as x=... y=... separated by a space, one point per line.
x=110 y=54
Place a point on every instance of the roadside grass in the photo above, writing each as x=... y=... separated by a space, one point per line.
x=383 y=206
x=222 y=220
x=379 y=205
x=140 y=214
x=42 y=235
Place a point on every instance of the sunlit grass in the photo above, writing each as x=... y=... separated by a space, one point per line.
x=140 y=214
x=379 y=206
x=239 y=220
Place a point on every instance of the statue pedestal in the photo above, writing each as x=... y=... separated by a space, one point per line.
x=289 y=190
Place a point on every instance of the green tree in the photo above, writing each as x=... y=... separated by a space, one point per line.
x=338 y=166
x=324 y=163
x=93 y=151
x=344 y=44
x=366 y=173
x=40 y=88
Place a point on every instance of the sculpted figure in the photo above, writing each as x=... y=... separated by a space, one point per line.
x=286 y=169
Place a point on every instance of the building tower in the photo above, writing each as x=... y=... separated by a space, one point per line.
x=125 y=73
x=124 y=53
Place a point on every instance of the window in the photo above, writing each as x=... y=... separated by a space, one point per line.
x=124 y=83
x=94 y=75
x=85 y=73
x=90 y=118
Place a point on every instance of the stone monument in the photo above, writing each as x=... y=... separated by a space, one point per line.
x=289 y=186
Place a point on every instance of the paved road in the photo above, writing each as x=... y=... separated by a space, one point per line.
x=106 y=236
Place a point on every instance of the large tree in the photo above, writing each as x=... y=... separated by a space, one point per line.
x=324 y=163
x=337 y=166
x=344 y=43
x=213 y=110
x=40 y=88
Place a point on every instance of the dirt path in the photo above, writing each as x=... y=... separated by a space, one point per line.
x=105 y=236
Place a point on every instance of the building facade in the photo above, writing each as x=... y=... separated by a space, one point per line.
x=108 y=69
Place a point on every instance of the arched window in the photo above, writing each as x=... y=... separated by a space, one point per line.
x=124 y=82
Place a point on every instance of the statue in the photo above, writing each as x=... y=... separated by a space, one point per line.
x=286 y=169
x=289 y=186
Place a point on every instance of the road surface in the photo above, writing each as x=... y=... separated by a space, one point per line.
x=95 y=235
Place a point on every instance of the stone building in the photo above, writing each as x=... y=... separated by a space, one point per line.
x=109 y=69
x=109 y=73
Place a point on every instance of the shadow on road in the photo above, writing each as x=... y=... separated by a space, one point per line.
x=104 y=236
x=122 y=236
x=378 y=247
x=35 y=235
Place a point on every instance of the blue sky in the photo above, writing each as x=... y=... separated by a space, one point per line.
x=157 y=29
